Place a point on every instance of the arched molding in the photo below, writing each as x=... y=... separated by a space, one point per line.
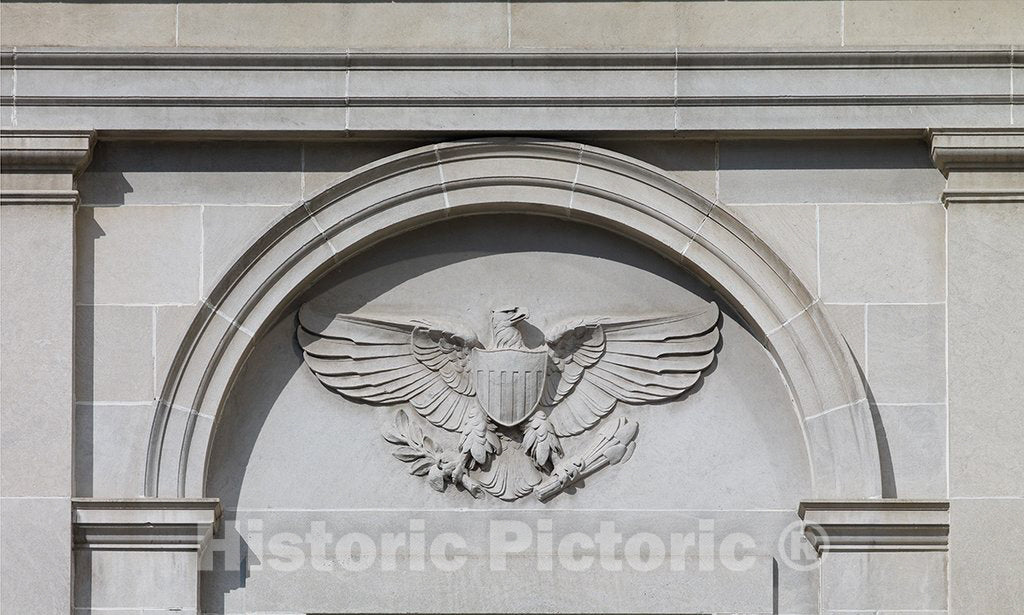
x=549 y=178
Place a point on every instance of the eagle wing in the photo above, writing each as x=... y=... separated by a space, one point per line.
x=385 y=362
x=595 y=364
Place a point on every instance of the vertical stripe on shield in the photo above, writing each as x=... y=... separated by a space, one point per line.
x=509 y=383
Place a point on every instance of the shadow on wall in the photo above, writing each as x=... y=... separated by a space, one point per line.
x=888 y=475
x=88 y=231
x=837 y=154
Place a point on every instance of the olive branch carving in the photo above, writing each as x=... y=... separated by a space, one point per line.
x=426 y=458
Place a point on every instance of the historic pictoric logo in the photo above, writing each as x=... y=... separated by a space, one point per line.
x=512 y=406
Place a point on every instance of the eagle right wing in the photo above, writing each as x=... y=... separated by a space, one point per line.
x=388 y=363
x=595 y=364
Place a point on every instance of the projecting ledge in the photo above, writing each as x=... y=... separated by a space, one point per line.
x=144 y=523
x=876 y=525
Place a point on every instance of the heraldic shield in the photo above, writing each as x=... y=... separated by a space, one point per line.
x=509 y=382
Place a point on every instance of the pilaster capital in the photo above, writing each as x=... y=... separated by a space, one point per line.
x=144 y=523
x=39 y=167
x=876 y=525
x=981 y=166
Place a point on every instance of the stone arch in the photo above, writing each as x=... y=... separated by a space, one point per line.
x=548 y=178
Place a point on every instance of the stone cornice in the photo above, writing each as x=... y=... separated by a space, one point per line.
x=991 y=150
x=981 y=166
x=144 y=523
x=39 y=197
x=44 y=151
x=39 y=166
x=161 y=93
x=541 y=58
x=876 y=525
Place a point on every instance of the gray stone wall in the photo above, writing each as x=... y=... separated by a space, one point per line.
x=163 y=164
x=860 y=222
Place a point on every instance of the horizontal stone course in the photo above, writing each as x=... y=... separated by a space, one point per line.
x=344 y=25
x=519 y=24
x=934 y=22
x=87 y=24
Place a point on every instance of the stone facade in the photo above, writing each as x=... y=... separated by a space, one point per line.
x=760 y=260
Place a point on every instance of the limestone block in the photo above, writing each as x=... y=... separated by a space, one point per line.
x=985 y=354
x=162 y=581
x=300 y=24
x=906 y=353
x=790 y=230
x=916 y=436
x=211 y=173
x=600 y=25
x=344 y=25
x=931 y=22
x=458 y=25
x=138 y=255
x=827 y=172
x=35 y=534
x=985 y=572
x=758 y=24
x=36 y=329
x=884 y=580
x=593 y=25
x=110 y=449
x=227 y=232
x=113 y=353
x=512 y=118
x=850 y=320
x=81 y=24
x=882 y=253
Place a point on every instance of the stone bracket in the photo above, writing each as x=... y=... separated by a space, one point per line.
x=144 y=523
x=40 y=166
x=876 y=525
x=981 y=166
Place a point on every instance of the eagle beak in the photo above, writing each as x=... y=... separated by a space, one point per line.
x=520 y=315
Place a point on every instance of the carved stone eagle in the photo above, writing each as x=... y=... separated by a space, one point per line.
x=505 y=397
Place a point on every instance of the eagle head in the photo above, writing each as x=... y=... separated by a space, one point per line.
x=505 y=333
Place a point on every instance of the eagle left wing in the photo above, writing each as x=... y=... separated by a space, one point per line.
x=595 y=364
x=384 y=362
